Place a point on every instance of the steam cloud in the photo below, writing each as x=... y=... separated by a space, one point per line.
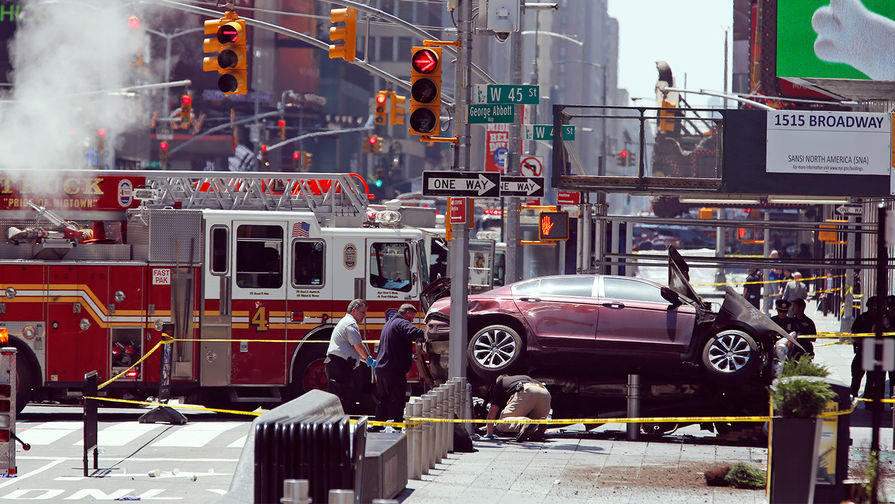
x=62 y=54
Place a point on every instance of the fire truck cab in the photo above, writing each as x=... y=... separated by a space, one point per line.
x=254 y=271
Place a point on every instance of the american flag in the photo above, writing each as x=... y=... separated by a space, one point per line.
x=301 y=230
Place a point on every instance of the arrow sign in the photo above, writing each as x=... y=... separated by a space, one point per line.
x=849 y=210
x=521 y=186
x=469 y=184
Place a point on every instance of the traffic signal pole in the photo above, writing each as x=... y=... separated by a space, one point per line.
x=514 y=262
x=459 y=252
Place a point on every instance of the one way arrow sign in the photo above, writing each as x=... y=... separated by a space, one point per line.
x=849 y=210
x=468 y=184
x=521 y=186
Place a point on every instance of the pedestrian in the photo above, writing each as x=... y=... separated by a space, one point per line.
x=393 y=362
x=794 y=289
x=803 y=325
x=518 y=398
x=863 y=324
x=344 y=356
x=752 y=287
x=775 y=275
x=782 y=317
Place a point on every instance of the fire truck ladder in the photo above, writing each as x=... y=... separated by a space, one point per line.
x=325 y=194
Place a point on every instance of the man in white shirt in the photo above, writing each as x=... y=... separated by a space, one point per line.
x=345 y=354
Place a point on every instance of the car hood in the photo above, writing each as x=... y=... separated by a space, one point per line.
x=679 y=277
x=735 y=307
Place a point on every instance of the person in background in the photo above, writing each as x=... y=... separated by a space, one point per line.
x=518 y=398
x=782 y=317
x=803 y=325
x=863 y=324
x=795 y=289
x=775 y=275
x=344 y=356
x=752 y=287
x=393 y=362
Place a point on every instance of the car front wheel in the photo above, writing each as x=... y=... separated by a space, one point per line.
x=731 y=354
x=493 y=350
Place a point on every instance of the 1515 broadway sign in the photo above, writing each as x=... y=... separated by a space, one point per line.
x=829 y=143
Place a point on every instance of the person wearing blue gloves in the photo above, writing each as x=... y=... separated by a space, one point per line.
x=344 y=356
x=394 y=359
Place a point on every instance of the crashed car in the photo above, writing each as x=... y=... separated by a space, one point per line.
x=591 y=324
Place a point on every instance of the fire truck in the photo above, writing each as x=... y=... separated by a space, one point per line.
x=253 y=270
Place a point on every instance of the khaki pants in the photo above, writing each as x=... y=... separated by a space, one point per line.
x=532 y=402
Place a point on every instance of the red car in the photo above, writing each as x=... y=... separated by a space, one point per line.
x=601 y=324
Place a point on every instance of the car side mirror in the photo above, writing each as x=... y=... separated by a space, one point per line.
x=669 y=295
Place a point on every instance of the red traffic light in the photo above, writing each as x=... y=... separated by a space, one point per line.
x=228 y=34
x=296 y=155
x=133 y=22
x=186 y=99
x=163 y=146
x=373 y=139
x=101 y=132
x=424 y=61
x=281 y=123
x=380 y=98
x=623 y=154
x=263 y=148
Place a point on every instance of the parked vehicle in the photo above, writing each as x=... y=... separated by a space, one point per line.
x=586 y=325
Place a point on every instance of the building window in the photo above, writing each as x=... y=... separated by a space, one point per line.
x=259 y=257
x=405 y=45
x=386 y=49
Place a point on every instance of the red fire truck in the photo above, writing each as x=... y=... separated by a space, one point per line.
x=250 y=268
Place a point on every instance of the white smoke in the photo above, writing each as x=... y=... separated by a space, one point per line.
x=63 y=55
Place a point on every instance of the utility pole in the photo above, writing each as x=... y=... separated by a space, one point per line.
x=459 y=256
x=514 y=262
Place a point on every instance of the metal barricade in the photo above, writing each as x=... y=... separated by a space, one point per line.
x=91 y=418
x=8 y=411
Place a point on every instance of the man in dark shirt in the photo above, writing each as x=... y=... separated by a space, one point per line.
x=803 y=325
x=752 y=287
x=518 y=397
x=863 y=324
x=782 y=318
x=393 y=362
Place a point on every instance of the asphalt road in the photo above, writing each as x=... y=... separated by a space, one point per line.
x=148 y=462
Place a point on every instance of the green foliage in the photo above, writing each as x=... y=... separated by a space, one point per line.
x=800 y=398
x=745 y=476
x=804 y=366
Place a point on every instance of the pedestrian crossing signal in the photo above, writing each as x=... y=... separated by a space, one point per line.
x=553 y=226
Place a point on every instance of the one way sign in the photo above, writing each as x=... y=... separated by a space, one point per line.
x=453 y=183
x=521 y=186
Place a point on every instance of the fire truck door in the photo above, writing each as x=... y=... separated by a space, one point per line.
x=392 y=276
x=214 y=356
x=259 y=303
x=78 y=322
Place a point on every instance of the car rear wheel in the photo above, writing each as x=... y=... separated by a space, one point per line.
x=494 y=349
x=731 y=354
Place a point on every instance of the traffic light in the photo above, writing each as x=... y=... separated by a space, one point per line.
x=281 y=124
x=346 y=33
x=296 y=159
x=622 y=158
x=374 y=144
x=229 y=42
x=396 y=115
x=306 y=161
x=553 y=226
x=425 y=90
x=264 y=154
x=100 y=140
x=163 y=151
x=632 y=158
x=186 y=109
x=381 y=101
x=378 y=180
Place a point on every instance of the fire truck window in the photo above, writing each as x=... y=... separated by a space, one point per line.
x=388 y=266
x=308 y=263
x=219 y=246
x=259 y=257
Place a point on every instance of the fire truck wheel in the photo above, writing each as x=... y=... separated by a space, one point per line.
x=24 y=382
x=309 y=372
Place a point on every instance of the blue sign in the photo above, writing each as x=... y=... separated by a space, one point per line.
x=390 y=313
x=501 y=154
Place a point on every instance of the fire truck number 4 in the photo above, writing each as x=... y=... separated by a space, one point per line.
x=259 y=319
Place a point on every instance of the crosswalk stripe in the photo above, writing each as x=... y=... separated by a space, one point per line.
x=121 y=434
x=239 y=443
x=46 y=433
x=195 y=435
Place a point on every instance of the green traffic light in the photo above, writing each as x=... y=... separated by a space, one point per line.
x=378 y=183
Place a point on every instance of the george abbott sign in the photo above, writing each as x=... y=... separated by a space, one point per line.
x=829 y=143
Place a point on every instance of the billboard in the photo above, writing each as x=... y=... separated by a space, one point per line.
x=848 y=39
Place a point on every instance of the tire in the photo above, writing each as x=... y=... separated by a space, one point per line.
x=493 y=350
x=731 y=355
x=309 y=372
x=24 y=381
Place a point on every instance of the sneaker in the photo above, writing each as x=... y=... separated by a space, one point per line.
x=538 y=435
x=526 y=432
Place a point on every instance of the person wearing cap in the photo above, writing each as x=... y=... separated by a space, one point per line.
x=393 y=362
x=518 y=398
x=782 y=317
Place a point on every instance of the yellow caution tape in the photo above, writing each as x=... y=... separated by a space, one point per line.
x=224 y=340
x=141 y=359
x=759 y=282
x=176 y=406
x=891 y=401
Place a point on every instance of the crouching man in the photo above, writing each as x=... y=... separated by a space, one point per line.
x=518 y=398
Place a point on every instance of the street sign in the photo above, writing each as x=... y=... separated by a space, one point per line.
x=568 y=197
x=532 y=166
x=545 y=132
x=458 y=210
x=514 y=95
x=484 y=114
x=454 y=183
x=521 y=186
x=849 y=210
x=553 y=226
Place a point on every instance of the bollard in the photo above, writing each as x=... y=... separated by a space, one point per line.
x=426 y=438
x=452 y=412
x=416 y=434
x=408 y=431
x=341 y=496
x=438 y=413
x=295 y=491
x=467 y=402
x=433 y=431
x=384 y=501
x=445 y=413
x=633 y=429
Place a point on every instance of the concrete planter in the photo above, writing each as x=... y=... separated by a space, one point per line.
x=794 y=444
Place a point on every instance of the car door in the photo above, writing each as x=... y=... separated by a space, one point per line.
x=561 y=311
x=635 y=319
